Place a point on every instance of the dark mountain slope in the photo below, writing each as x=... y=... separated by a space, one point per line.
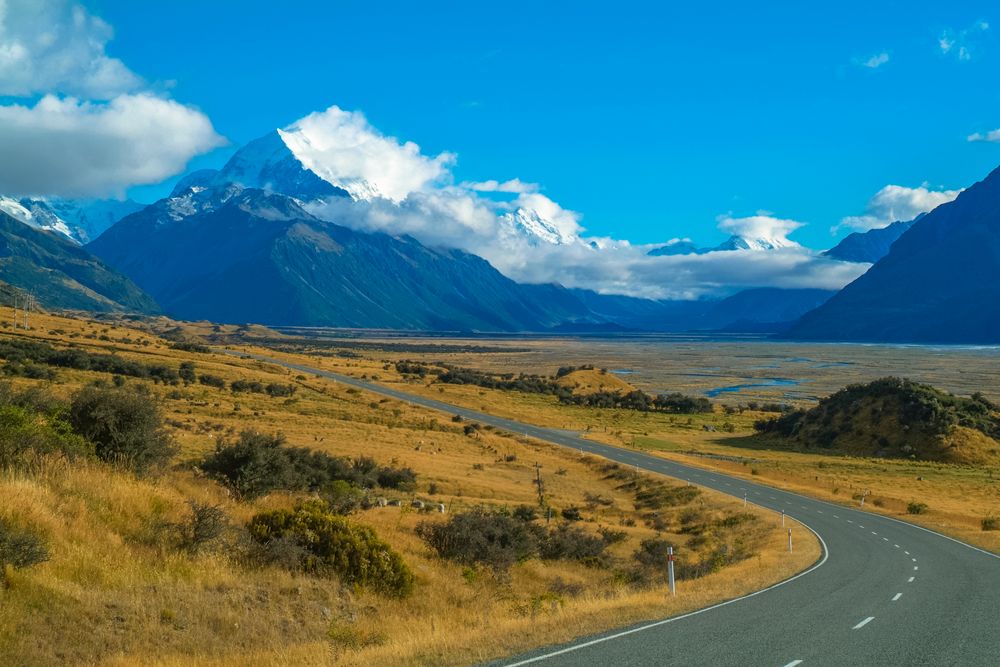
x=248 y=256
x=61 y=274
x=940 y=282
x=871 y=246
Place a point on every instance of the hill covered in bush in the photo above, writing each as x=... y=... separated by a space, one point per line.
x=895 y=417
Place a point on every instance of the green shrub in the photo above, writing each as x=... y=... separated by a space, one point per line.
x=916 y=508
x=990 y=523
x=342 y=497
x=212 y=381
x=125 y=424
x=568 y=542
x=480 y=537
x=258 y=464
x=27 y=438
x=20 y=547
x=330 y=543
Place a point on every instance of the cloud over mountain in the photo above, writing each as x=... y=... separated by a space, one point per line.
x=97 y=127
x=525 y=233
x=896 y=202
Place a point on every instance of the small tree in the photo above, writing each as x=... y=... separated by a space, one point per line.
x=19 y=547
x=125 y=424
x=186 y=372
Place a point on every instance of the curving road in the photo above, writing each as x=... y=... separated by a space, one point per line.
x=885 y=592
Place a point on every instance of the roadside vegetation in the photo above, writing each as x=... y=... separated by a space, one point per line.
x=186 y=513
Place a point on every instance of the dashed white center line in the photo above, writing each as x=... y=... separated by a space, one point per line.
x=850 y=521
x=915 y=568
x=896 y=545
x=910 y=580
x=793 y=663
x=820 y=511
x=835 y=516
x=914 y=560
x=907 y=553
x=860 y=526
x=863 y=623
x=874 y=533
x=896 y=596
x=885 y=539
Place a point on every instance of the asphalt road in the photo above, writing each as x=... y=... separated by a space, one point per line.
x=885 y=592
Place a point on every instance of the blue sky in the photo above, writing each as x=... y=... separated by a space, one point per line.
x=651 y=119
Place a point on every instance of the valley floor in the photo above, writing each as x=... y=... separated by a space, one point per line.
x=117 y=590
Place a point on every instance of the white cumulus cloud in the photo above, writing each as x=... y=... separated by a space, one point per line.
x=57 y=47
x=83 y=148
x=342 y=148
x=96 y=128
x=896 y=202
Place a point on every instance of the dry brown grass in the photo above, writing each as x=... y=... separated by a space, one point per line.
x=117 y=591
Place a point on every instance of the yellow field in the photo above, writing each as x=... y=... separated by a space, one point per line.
x=959 y=497
x=115 y=592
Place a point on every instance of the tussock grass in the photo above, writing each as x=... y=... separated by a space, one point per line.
x=121 y=587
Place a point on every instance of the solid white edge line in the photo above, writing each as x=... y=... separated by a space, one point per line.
x=656 y=624
x=863 y=623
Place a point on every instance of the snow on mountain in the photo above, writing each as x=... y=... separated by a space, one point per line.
x=529 y=226
x=80 y=220
x=737 y=242
x=34 y=215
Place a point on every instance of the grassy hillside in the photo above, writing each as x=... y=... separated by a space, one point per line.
x=160 y=568
x=895 y=417
x=962 y=499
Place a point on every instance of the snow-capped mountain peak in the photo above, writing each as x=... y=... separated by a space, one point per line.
x=738 y=242
x=35 y=213
x=528 y=225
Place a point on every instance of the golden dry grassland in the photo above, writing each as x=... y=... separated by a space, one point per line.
x=958 y=497
x=115 y=592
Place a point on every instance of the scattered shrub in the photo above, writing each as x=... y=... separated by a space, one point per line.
x=572 y=514
x=990 y=523
x=205 y=524
x=329 y=543
x=257 y=464
x=480 y=537
x=525 y=513
x=20 y=547
x=212 y=381
x=125 y=425
x=916 y=508
x=568 y=542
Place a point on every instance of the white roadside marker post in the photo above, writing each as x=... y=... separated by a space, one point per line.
x=670 y=570
x=782 y=517
x=789 y=540
x=744 y=499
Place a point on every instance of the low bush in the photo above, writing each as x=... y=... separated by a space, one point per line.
x=916 y=508
x=125 y=424
x=568 y=542
x=990 y=523
x=329 y=543
x=20 y=547
x=480 y=537
x=258 y=464
x=206 y=524
x=212 y=381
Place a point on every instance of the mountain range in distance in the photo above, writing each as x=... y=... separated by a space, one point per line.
x=240 y=244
